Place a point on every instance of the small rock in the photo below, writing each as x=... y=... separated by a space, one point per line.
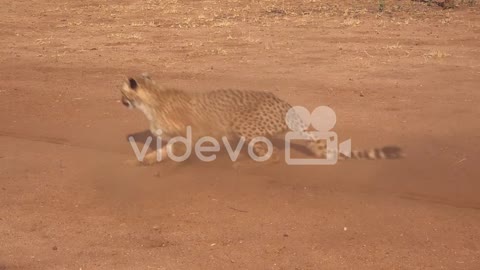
x=55 y=248
x=285 y=235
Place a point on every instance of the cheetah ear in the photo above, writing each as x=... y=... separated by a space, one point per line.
x=132 y=84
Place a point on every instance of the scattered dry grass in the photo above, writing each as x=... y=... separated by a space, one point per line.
x=393 y=47
x=351 y=22
x=193 y=14
x=436 y=54
x=154 y=24
x=125 y=36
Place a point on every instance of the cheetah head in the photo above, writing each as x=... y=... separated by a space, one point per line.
x=135 y=90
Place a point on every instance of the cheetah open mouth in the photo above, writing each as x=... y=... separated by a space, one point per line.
x=126 y=102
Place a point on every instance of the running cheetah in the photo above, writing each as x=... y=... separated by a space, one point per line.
x=233 y=114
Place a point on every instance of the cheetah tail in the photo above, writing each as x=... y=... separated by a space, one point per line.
x=387 y=152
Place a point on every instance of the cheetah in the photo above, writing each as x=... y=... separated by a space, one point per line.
x=224 y=113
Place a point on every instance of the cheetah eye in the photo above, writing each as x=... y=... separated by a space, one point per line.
x=133 y=84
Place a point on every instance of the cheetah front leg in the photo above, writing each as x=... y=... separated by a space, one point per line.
x=162 y=154
x=150 y=158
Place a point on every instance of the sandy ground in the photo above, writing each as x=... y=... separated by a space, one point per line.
x=408 y=76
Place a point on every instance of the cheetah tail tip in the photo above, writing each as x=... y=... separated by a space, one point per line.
x=392 y=152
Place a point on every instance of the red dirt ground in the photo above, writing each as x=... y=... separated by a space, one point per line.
x=408 y=76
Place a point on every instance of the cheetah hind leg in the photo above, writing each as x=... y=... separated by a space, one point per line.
x=318 y=148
